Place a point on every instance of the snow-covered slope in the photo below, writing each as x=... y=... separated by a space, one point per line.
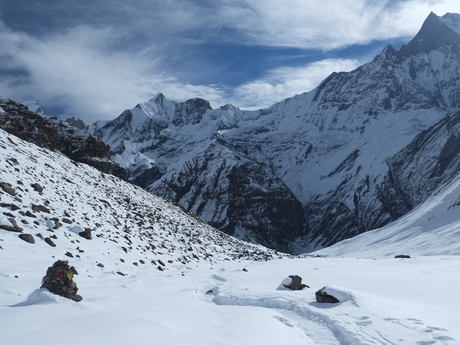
x=212 y=288
x=50 y=197
x=321 y=155
x=432 y=228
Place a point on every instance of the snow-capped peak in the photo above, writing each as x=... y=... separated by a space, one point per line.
x=452 y=20
x=33 y=106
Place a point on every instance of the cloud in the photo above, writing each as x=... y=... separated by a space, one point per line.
x=327 y=24
x=80 y=73
x=95 y=59
x=76 y=71
x=284 y=82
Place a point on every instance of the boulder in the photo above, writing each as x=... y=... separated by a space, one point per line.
x=59 y=280
x=50 y=242
x=8 y=188
x=40 y=208
x=323 y=297
x=37 y=187
x=295 y=283
x=402 y=257
x=27 y=237
x=10 y=228
x=86 y=234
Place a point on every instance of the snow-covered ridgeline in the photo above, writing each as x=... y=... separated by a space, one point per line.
x=329 y=148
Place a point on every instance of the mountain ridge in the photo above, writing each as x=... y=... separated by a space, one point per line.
x=329 y=147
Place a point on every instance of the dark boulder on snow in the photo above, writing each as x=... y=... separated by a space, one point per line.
x=86 y=234
x=37 y=187
x=8 y=188
x=323 y=297
x=295 y=284
x=50 y=242
x=402 y=257
x=27 y=237
x=59 y=280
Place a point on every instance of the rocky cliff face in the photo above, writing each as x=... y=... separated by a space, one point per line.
x=306 y=172
x=57 y=135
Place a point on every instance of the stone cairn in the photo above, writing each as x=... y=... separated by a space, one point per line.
x=58 y=280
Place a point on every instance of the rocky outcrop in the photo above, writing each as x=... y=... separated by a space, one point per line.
x=58 y=135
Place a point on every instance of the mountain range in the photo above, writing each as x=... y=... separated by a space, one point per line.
x=379 y=145
x=316 y=168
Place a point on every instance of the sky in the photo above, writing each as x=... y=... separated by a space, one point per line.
x=93 y=59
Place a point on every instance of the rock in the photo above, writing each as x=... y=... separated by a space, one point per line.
x=27 y=237
x=296 y=283
x=69 y=254
x=100 y=265
x=86 y=234
x=40 y=208
x=323 y=297
x=50 y=242
x=59 y=280
x=161 y=263
x=121 y=273
x=10 y=228
x=37 y=187
x=8 y=188
x=160 y=268
x=245 y=269
x=30 y=214
x=66 y=220
x=13 y=221
x=402 y=257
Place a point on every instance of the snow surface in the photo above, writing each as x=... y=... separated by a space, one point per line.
x=205 y=299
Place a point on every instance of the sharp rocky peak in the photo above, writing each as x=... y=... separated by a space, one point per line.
x=436 y=32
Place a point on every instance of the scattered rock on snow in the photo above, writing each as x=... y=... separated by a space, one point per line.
x=402 y=257
x=323 y=297
x=50 y=242
x=8 y=188
x=11 y=228
x=27 y=237
x=86 y=234
x=37 y=187
x=295 y=283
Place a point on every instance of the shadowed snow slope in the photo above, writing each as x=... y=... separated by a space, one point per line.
x=432 y=228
